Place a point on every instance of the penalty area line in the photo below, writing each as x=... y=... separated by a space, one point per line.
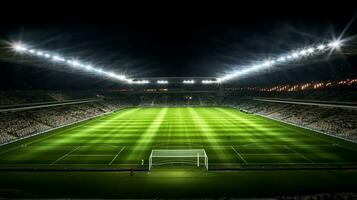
x=117 y=155
x=304 y=157
x=54 y=162
x=240 y=156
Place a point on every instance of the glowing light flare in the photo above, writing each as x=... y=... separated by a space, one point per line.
x=310 y=50
x=295 y=55
x=210 y=81
x=58 y=58
x=140 y=82
x=321 y=47
x=335 y=44
x=19 y=47
x=162 y=82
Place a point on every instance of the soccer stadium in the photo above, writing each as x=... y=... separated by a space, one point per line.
x=206 y=111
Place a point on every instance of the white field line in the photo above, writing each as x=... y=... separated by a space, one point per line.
x=280 y=163
x=131 y=164
x=267 y=154
x=241 y=157
x=304 y=157
x=84 y=155
x=247 y=146
x=54 y=162
x=117 y=155
x=295 y=145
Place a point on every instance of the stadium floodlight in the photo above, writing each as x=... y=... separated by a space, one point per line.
x=57 y=58
x=140 y=81
x=76 y=63
x=88 y=67
x=303 y=52
x=310 y=50
x=162 y=82
x=321 y=47
x=294 y=55
x=19 y=47
x=210 y=81
x=335 y=44
x=188 y=81
x=281 y=59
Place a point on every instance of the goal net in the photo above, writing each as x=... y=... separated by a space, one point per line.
x=196 y=157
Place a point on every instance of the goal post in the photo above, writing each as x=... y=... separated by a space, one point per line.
x=197 y=157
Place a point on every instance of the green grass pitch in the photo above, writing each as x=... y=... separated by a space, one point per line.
x=122 y=139
x=230 y=138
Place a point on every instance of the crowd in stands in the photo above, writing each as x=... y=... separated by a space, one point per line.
x=341 y=122
x=17 y=124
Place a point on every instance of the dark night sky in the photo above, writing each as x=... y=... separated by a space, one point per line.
x=172 y=41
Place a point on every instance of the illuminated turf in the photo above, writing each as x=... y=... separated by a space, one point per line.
x=230 y=138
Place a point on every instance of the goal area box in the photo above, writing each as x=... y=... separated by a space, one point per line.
x=197 y=157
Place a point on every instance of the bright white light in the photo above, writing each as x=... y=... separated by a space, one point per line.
x=76 y=63
x=73 y=63
x=99 y=71
x=335 y=44
x=310 y=50
x=210 y=81
x=281 y=59
x=122 y=77
x=19 y=47
x=188 y=81
x=140 y=82
x=303 y=52
x=88 y=67
x=292 y=57
x=162 y=82
x=110 y=74
x=57 y=58
x=321 y=47
x=266 y=63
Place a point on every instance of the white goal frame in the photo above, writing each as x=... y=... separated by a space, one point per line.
x=179 y=153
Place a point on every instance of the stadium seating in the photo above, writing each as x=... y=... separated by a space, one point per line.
x=341 y=122
x=17 y=124
x=13 y=97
